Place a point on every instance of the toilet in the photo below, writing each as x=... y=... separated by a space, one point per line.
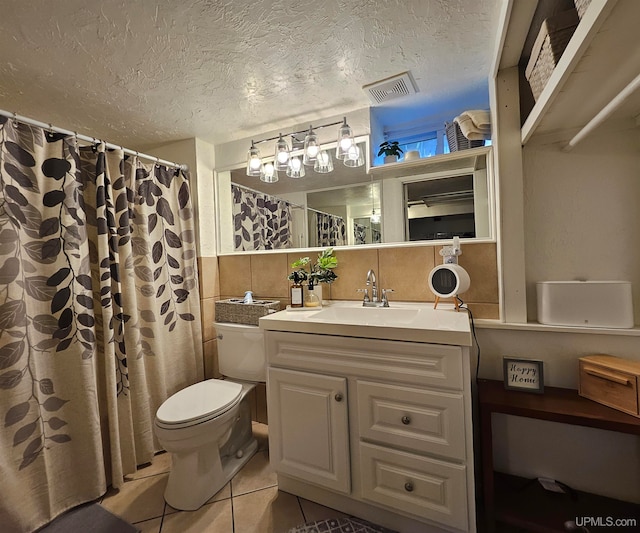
x=207 y=426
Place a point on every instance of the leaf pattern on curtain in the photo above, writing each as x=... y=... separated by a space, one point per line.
x=99 y=316
x=260 y=221
x=331 y=230
x=359 y=233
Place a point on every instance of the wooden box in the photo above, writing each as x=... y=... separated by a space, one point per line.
x=611 y=381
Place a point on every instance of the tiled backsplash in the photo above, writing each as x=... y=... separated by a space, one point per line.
x=403 y=269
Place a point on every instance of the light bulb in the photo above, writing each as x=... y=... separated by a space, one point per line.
x=283 y=157
x=269 y=169
x=353 y=153
x=346 y=143
x=375 y=218
x=312 y=151
x=254 y=163
x=295 y=164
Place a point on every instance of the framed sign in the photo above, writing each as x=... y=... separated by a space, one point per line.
x=523 y=374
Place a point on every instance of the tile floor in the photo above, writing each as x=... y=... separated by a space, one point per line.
x=249 y=503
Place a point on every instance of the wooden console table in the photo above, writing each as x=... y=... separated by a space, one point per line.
x=523 y=503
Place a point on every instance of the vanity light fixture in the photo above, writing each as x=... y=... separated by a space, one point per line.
x=345 y=140
x=283 y=153
x=269 y=173
x=354 y=156
x=311 y=148
x=295 y=168
x=292 y=159
x=324 y=162
x=254 y=163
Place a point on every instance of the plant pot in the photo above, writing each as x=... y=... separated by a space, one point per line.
x=390 y=159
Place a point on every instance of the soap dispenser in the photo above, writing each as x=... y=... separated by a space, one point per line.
x=296 y=291
x=311 y=298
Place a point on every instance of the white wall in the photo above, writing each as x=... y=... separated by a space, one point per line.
x=581 y=220
x=582 y=212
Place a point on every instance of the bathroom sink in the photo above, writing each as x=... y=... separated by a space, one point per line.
x=369 y=316
x=406 y=321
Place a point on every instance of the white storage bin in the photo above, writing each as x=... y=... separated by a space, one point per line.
x=595 y=304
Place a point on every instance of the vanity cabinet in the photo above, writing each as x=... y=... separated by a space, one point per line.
x=375 y=428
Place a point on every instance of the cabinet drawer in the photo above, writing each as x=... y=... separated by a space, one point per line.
x=417 y=419
x=421 y=486
x=609 y=386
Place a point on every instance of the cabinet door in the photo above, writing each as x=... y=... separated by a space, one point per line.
x=308 y=427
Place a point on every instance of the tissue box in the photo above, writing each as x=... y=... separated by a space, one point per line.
x=594 y=304
x=611 y=381
x=234 y=310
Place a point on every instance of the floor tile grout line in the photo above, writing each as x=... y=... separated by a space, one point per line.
x=255 y=490
x=304 y=517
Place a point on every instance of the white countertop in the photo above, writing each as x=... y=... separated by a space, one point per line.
x=404 y=321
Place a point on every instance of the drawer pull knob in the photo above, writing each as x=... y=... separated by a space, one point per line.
x=338 y=397
x=408 y=486
x=406 y=420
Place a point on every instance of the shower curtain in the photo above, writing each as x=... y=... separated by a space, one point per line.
x=260 y=221
x=99 y=317
x=331 y=230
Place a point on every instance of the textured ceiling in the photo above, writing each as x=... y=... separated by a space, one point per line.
x=144 y=73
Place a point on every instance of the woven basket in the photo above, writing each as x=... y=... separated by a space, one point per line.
x=555 y=34
x=581 y=7
x=234 y=310
x=456 y=140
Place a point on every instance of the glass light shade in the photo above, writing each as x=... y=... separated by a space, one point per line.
x=295 y=168
x=311 y=148
x=354 y=157
x=345 y=140
x=324 y=162
x=282 y=154
x=254 y=164
x=269 y=173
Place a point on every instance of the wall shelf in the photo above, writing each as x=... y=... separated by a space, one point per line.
x=454 y=161
x=601 y=59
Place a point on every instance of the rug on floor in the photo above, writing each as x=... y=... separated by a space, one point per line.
x=89 y=518
x=340 y=525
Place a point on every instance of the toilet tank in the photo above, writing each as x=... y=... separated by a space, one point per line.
x=241 y=352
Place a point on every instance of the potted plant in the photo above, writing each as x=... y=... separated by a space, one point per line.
x=317 y=273
x=391 y=151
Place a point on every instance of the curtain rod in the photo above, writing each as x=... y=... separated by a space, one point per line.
x=49 y=127
x=324 y=213
x=266 y=194
x=282 y=199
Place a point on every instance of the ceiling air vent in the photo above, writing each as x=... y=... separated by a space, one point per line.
x=390 y=88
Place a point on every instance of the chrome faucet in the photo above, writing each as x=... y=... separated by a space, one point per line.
x=374 y=301
x=371 y=280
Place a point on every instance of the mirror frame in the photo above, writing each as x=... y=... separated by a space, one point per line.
x=414 y=170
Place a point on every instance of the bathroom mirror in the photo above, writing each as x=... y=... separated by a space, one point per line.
x=421 y=200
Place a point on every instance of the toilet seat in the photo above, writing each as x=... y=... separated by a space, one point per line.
x=198 y=403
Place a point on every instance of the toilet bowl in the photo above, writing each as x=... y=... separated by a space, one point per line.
x=207 y=426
